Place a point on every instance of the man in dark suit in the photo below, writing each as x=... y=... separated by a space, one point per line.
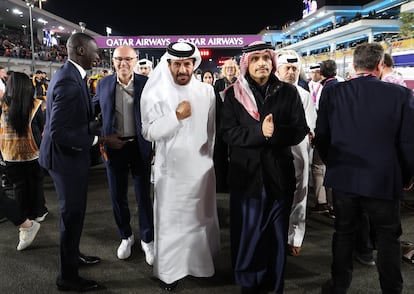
x=364 y=135
x=119 y=97
x=65 y=153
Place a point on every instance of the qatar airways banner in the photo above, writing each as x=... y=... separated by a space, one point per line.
x=154 y=42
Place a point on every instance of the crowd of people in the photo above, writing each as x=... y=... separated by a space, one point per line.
x=260 y=131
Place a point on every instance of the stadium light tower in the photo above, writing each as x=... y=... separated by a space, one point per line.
x=108 y=32
x=82 y=26
x=40 y=3
x=30 y=4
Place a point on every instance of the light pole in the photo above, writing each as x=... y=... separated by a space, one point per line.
x=40 y=3
x=30 y=4
x=82 y=26
x=108 y=32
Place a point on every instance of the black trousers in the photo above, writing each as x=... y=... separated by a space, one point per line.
x=71 y=190
x=385 y=217
x=122 y=164
x=27 y=178
x=10 y=209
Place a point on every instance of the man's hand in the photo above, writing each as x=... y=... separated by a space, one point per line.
x=183 y=110
x=311 y=137
x=113 y=141
x=268 y=127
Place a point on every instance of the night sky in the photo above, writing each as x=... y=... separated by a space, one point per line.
x=214 y=18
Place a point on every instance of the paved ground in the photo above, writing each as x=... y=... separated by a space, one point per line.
x=34 y=270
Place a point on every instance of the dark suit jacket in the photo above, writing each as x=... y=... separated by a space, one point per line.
x=66 y=141
x=364 y=134
x=105 y=96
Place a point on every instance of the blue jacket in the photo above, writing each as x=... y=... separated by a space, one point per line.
x=66 y=141
x=105 y=96
x=364 y=134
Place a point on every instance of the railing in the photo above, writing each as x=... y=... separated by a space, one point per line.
x=343 y=57
x=24 y=65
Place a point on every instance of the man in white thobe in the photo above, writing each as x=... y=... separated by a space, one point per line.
x=178 y=114
x=288 y=70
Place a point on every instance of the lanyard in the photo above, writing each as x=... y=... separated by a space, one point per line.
x=363 y=75
x=327 y=80
x=315 y=92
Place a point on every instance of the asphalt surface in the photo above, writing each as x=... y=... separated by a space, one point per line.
x=34 y=270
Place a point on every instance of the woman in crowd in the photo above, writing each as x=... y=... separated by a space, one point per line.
x=21 y=127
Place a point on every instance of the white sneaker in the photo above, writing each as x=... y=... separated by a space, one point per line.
x=41 y=218
x=148 y=249
x=26 y=236
x=124 y=250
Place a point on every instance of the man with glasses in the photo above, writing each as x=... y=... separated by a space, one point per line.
x=119 y=98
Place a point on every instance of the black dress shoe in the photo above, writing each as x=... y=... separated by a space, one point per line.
x=79 y=284
x=88 y=260
x=168 y=287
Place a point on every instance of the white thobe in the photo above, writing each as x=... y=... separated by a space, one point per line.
x=186 y=229
x=301 y=160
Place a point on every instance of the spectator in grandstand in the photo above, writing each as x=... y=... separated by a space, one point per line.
x=365 y=139
x=288 y=70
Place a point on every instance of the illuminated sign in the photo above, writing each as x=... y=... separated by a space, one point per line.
x=205 y=53
x=155 y=42
x=223 y=59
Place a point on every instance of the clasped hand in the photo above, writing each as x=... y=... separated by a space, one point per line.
x=113 y=141
x=183 y=110
x=268 y=126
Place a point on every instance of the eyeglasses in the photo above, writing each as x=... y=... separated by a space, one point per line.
x=127 y=59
